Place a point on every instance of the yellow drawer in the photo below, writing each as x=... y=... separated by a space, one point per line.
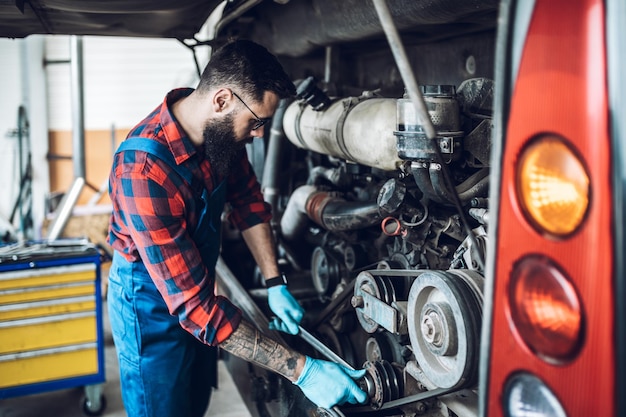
x=35 y=285
x=47 y=308
x=46 y=293
x=48 y=365
x=44 y=332
x=43 y=277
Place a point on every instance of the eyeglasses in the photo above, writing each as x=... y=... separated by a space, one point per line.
x=258 y=122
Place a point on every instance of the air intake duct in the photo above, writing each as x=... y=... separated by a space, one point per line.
x=356 y=129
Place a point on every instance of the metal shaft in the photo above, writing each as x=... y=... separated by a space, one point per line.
x=321 y=348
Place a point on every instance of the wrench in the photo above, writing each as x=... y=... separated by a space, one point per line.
x=320 y=347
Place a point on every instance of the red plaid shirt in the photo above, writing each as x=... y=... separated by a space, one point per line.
x=154 y=216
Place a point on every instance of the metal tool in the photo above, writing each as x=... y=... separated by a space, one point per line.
x=330 y=355
x=321 y=348
x=335 y=412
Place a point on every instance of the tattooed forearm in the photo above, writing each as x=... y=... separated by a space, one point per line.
x=248 y=343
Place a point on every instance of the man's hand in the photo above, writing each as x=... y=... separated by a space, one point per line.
x=287 y=309
x=328 y=384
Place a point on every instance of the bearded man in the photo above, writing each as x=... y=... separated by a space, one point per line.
x=169 y=183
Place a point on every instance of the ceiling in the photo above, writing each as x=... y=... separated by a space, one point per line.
x=179 y=19
x=286 y=27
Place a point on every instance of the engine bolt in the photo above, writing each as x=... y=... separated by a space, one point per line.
x=432 y=328
x=357 y=301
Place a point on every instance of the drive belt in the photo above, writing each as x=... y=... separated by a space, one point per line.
x=335 y=412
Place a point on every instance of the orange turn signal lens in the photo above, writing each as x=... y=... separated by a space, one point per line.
x=552 y=185
x=545 y=309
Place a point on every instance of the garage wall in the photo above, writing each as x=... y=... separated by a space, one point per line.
x=10 y=100
x=22 y=84
x=124 y=79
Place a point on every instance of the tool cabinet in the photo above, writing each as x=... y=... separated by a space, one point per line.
x=51 y=334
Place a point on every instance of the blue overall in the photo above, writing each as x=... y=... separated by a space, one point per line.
x=164 y=370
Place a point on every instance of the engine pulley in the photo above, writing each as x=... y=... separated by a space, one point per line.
x=325 y=271
x=444 y=320
x=372 y=298
x=385 y=346
x=382 y=383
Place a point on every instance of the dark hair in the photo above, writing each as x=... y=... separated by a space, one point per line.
x=247 y=67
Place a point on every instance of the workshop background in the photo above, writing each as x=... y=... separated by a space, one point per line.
x=123 y=80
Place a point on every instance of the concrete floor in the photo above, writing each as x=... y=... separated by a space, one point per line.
x=225 y=402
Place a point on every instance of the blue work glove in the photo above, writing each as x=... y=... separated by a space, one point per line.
x=328 y=384
x=287 y=309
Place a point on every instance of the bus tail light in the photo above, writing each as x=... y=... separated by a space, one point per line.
x=551 y=322
x=553 y=186
x=545 y=309
x=526 y=395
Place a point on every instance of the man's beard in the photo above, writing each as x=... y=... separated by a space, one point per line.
x=220 y=147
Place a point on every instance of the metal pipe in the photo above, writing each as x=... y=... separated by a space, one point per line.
x=294 y=220
x=22 y=123
x=395 y=43
x=337 y=214
x=78 y=140
x=275 y=147
x=328 y=63
x=234 y=14
x=321 y=348
x=332 y=213
x=65 y=208
x=78 y=117
x=228 y=284
x=358 y=129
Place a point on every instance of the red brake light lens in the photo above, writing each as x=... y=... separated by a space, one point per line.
x=545 y=309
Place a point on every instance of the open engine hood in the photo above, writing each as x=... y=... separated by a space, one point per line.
x=179 y=19
x=286 y=27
